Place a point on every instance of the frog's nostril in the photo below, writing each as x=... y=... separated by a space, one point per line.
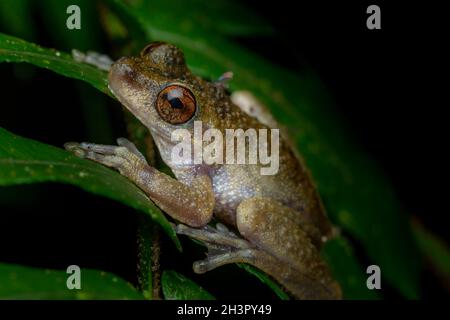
x=120 y=69
x=120 y=74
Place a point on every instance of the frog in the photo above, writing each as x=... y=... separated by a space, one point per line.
x=276 y=223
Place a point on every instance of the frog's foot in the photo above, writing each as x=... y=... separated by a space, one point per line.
x=123 y=156
x=101 y=61
x=224 y=246
x=224 y=79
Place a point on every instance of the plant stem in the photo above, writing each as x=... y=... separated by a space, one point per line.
x=148 y=233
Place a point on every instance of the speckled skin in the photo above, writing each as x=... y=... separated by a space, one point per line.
x=280 y=216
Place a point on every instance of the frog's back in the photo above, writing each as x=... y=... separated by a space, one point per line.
x=291 y=185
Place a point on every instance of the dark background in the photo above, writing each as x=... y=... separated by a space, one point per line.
x=385 y=82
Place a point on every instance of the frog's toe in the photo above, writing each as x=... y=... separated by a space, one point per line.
x=103 y=154
x=224 y=79
x=122 y=157
x=89 y=148
x=123 y=142
x=75 y=148
x=125 y=149
x=219 y=238
x=217 y=260
x=101 y=61
x=223 y=245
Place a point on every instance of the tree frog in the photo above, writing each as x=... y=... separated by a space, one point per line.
x=274 y=222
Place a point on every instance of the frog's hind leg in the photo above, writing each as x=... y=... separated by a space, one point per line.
x=276 y=244
x=214 y=237
x=224 y=246
x=277 y=231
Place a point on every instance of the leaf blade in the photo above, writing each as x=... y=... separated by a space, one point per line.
x=177 y=287
x=20 y=282
x=26 y=161
x=13 y=49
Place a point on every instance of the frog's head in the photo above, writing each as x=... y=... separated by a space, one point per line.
x=151 y=87
x=156 y=89
x=164 y=95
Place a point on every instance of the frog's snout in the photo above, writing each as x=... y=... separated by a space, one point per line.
x=121 y=74
x=120 y=68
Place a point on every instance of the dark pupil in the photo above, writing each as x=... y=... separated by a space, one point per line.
x=176 y=103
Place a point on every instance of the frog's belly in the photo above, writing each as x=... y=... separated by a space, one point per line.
x=234 y=183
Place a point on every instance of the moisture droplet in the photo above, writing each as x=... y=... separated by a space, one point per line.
x=82 y=174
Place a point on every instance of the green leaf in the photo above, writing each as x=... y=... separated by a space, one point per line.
x=177 y=287
x=146 y=275
x=358 y=196
x=347 y=270
x=433 y=249
x=88 y=38
x=27 y=161
x=16 y=50
x=264 y=278
x=54 y=16
x=19 y=282
x=15 y=17
x=220 y=17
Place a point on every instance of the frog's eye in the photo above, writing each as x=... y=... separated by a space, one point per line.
x=176 y=104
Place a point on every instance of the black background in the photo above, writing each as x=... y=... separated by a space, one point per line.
x=388 y=83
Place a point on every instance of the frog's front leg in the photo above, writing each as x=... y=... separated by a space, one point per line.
x=194 y=207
